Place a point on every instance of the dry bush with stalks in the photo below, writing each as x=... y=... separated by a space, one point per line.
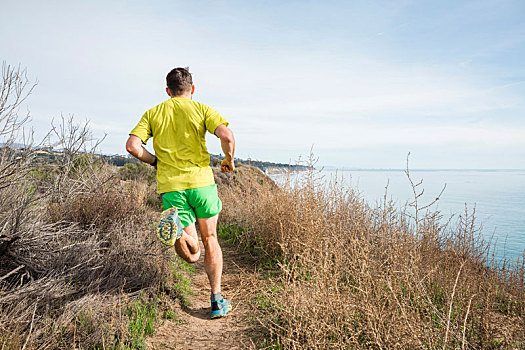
x=81 y=254
x=356 y=276
x=16 y=153
x=73 y=248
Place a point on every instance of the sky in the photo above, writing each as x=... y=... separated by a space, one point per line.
x=360 y=84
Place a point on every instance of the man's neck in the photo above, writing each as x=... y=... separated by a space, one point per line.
x=183 y=96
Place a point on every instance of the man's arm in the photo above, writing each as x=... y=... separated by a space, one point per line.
x=228 y=147
x=135 y=148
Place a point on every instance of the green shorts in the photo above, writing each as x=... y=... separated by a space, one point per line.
x=202 y=202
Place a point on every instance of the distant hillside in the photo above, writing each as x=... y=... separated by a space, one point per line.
x=47 y=155
x=267 y=167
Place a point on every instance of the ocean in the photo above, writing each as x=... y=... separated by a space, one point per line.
x=498 y=197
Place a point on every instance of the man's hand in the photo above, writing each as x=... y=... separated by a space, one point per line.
x=227 y=166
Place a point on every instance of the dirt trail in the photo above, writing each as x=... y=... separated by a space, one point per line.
x=193 y=328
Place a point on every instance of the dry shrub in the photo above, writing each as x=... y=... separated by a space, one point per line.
x=101 y=207
x=75 y=259
x=355 y=276
x=138 y=171
x=243 y=193
x=76 y=242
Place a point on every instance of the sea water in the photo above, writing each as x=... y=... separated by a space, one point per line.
x=498 y=197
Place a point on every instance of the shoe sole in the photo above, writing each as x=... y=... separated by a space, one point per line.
x=228 y=309
x=170 y=228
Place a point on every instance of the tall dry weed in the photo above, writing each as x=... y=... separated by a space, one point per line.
x=356 y=276
x=74 y=258
x=76 y=241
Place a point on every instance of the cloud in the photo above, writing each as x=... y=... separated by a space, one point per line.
x=340 y=87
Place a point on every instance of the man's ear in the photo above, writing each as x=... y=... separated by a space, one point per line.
x=192 y=89
x=168 y=92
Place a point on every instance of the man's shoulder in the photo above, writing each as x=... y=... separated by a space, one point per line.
x=200 y=105
x=158 y=107
x=185 y=101
x=200 y=108
x=185 y=106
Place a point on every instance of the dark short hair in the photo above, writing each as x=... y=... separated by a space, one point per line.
x=179 y=80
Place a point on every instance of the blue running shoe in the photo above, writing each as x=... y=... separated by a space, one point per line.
x=220 y=308
x=170 y=227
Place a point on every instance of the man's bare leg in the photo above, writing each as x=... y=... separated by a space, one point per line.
x=187 y=246
x=212 y=252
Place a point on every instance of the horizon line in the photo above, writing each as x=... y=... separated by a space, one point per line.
x=330 y=167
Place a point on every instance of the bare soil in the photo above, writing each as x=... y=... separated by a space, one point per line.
x=193 y=328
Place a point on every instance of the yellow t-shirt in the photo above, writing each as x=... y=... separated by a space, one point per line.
x=178 y=127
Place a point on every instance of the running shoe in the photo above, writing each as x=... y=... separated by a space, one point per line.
x=170 y=227
x=220 y=308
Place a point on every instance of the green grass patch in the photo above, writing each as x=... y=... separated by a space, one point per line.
x=84 y=322
x=269 y=306
x=438 y=296
x=235 y=235
x=169 y=315
x=506 y=305
x=182 y=285
x=142 y=315
x=271 y=345
x=230 y=234
x=262 y=301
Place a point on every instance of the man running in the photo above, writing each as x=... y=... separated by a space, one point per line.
x=184 y=177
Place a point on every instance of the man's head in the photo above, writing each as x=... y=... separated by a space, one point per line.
x=179 y=82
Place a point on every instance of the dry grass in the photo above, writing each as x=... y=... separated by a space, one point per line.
x=76 y=242
x=73 y=259
x=355 y=276
x=76 y=250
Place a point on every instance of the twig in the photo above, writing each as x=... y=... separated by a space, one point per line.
x=465 y=322
x=435 y=200
x=403 y=312
x=12 y=272
x=30 y=328
x=450 y=307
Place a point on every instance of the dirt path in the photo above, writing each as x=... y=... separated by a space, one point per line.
x=193 y=328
